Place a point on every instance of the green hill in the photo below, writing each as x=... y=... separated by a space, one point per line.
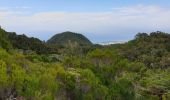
x=4 y=41
x=11 y=39
x=65 y=38
x=151 y=49
x=136 y=70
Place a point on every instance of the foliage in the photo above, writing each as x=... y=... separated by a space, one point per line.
x=4 y=41
x=67 y=38
x=136 y=70
x=25 y=43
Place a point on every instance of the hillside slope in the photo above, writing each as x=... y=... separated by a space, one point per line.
x=136 y=70
x=4 y=41
x=11 y=39
x=67 y=37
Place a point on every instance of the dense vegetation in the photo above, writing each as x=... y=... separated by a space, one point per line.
x=66 y=38
x=136 y=70
x=4 y=41
x=26 y=44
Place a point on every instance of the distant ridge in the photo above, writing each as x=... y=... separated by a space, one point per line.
x=66 y=37
x=10 y=40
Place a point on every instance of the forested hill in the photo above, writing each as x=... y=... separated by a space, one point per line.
x=136 y=70
x=25 y=43
x=69 y=37
x=58 y=41
x=4 y=40
x=151 y=49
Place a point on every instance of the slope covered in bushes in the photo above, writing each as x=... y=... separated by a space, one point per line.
x=65 y=38
x=136 y=70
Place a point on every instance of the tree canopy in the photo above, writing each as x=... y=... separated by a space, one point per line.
x=136 y=70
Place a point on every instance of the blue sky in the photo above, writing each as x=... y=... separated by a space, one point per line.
x=76 y=5
x=99 y=20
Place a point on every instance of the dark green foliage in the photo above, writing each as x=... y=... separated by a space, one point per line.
x=65 y=38
x=25 y=43
x=149 y=49
x=4 y=41
x=123 y=89
x=136 y=70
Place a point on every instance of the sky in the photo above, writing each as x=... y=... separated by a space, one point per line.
x=99 y=20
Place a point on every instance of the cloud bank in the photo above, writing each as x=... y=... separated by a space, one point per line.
x=118 y=24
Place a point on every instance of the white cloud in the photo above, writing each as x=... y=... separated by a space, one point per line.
x=123 y=20
x=139 y=9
